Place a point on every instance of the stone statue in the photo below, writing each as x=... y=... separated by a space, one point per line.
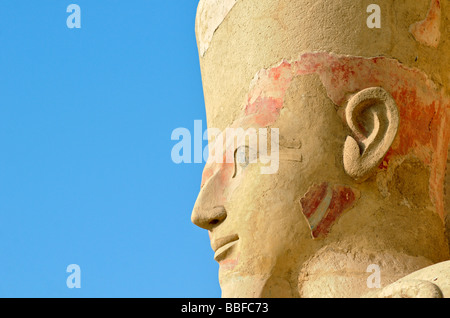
x=359 y=94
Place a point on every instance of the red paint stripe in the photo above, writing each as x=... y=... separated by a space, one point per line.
x=342 y=200
x=313 y=198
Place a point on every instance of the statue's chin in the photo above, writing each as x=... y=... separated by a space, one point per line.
x=256 y=286
x=237 y=286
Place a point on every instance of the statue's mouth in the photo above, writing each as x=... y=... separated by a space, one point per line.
x=223 y=246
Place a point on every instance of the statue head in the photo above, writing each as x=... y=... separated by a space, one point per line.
x=356 y=119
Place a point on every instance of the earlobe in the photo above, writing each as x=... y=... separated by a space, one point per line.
x=373 y=119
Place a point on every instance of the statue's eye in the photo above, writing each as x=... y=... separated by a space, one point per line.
x=243 y=156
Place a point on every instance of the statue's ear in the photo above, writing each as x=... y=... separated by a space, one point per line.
x=373 y=119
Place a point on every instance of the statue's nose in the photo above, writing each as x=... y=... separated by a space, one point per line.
x=209 y=211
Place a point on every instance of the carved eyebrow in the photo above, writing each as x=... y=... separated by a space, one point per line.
x=290 y=154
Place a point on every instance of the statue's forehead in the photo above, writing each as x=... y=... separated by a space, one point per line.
x=212 y=13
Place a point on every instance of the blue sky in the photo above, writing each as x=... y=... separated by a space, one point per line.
x=86 y=175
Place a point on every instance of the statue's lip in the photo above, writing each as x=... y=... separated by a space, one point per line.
x=222 y=245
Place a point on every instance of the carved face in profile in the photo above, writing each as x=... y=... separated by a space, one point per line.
x=254 y=219
x=349 y=133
